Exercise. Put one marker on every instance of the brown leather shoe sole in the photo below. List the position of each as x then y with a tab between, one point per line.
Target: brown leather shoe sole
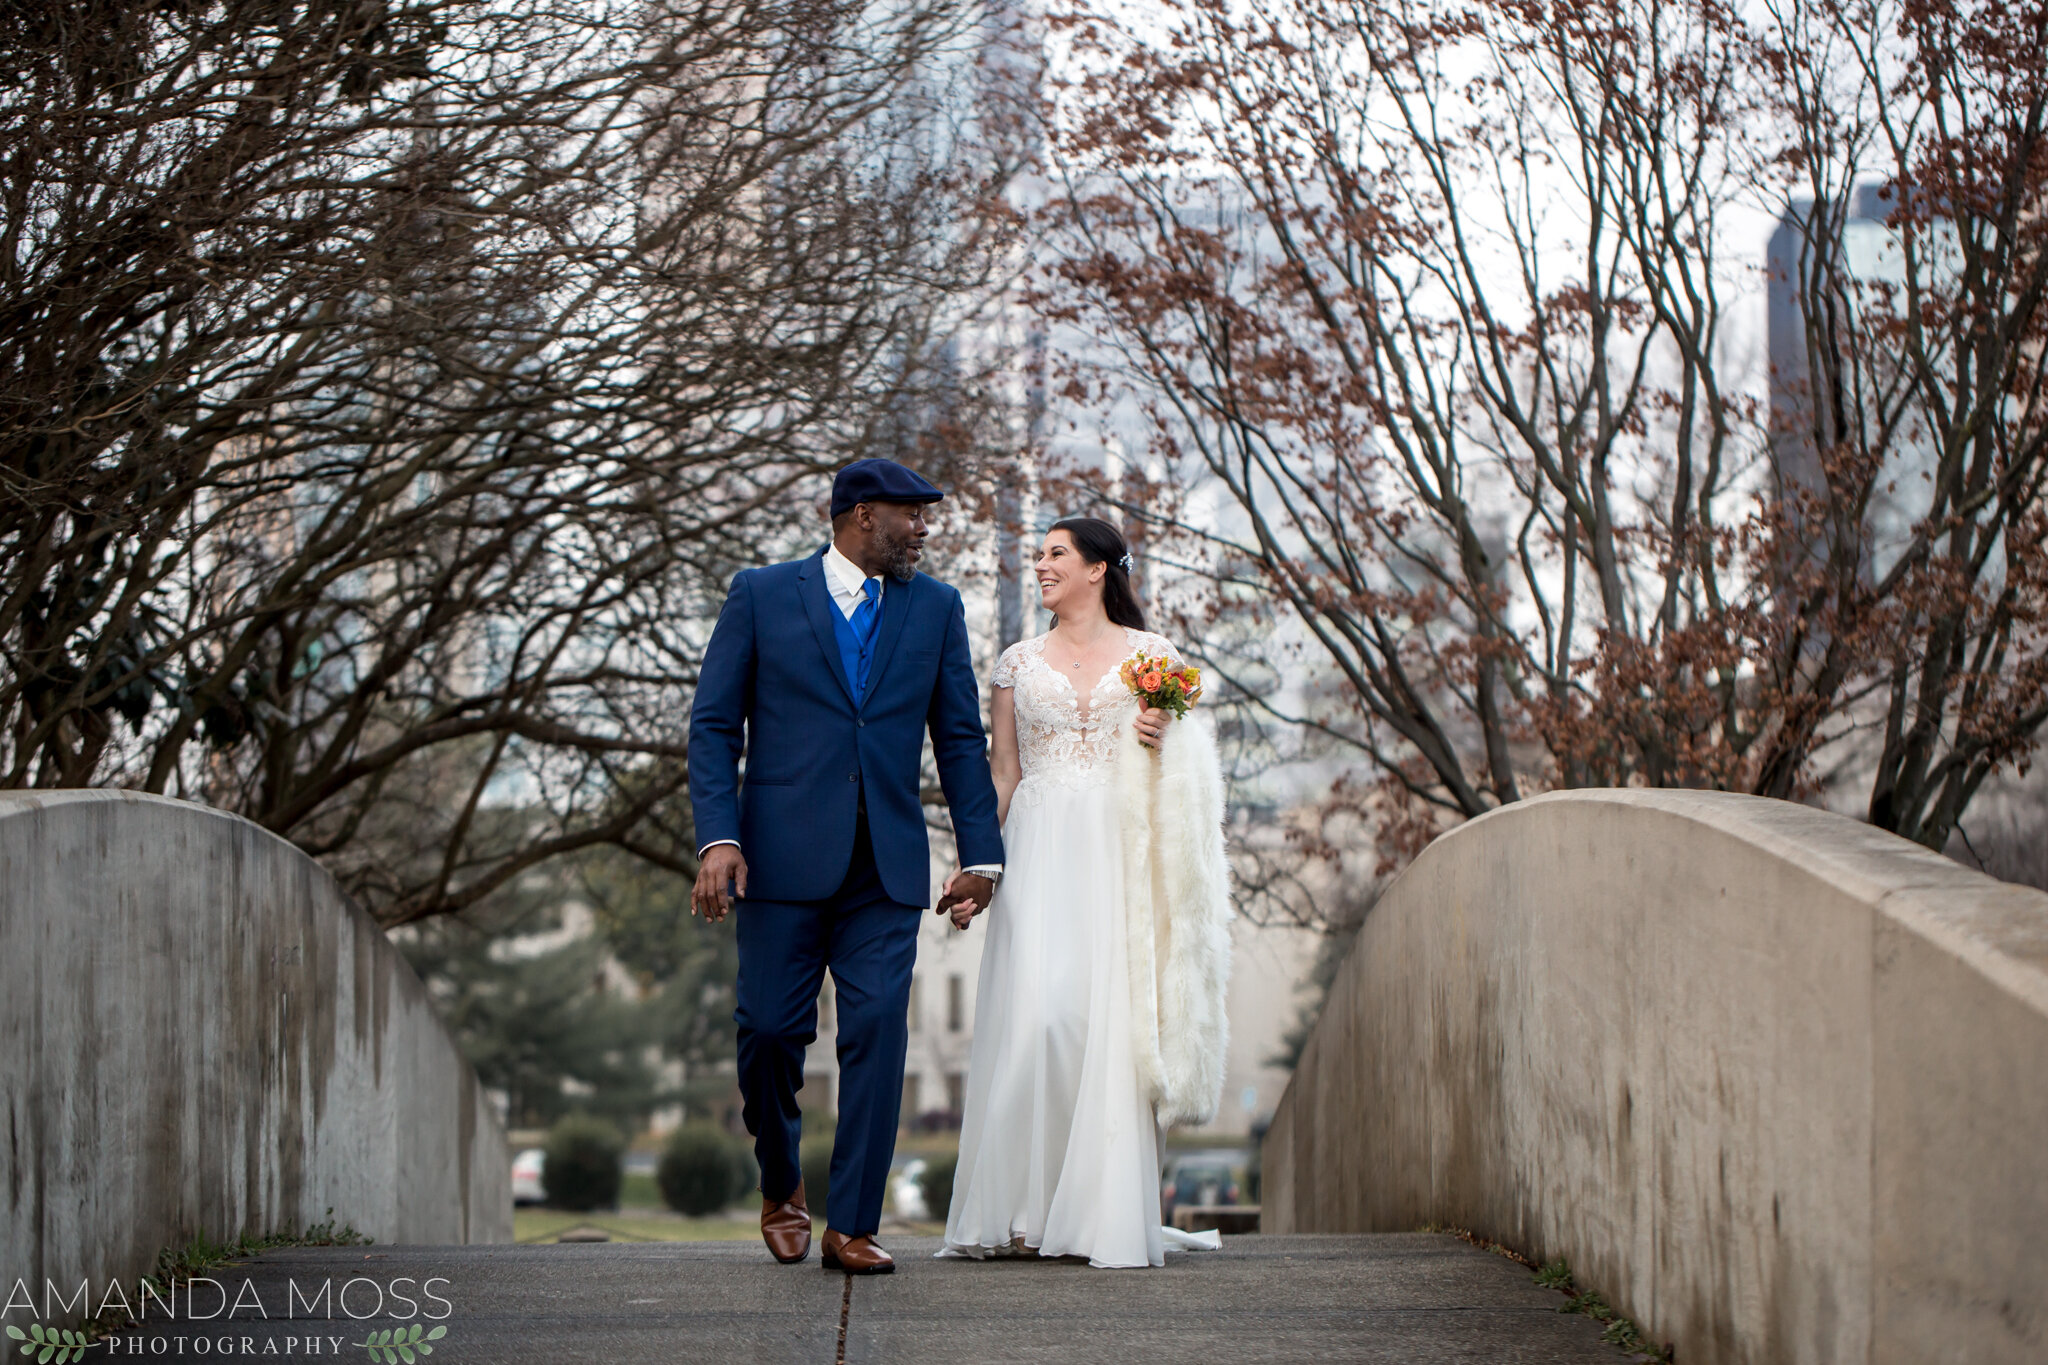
829	1257
800	1254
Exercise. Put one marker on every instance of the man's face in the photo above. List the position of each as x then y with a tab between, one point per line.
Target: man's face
899	532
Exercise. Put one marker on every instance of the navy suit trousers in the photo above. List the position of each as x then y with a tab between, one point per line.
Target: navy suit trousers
870	943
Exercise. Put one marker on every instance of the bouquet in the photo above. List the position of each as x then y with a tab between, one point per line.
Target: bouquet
1156	680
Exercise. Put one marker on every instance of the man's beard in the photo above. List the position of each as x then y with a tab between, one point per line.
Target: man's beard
896	560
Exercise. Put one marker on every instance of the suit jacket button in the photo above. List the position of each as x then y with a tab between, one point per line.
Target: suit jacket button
862	724
853	777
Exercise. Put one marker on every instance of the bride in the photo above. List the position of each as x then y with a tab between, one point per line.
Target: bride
1099	1016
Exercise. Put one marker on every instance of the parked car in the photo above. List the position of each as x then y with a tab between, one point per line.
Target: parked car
1200	1178
526	1187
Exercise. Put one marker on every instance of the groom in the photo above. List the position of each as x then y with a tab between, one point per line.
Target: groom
827	672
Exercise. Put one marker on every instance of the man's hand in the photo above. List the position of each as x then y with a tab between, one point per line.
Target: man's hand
966	894
712	896
1151	725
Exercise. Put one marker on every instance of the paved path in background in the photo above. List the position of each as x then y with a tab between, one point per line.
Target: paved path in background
1414	1299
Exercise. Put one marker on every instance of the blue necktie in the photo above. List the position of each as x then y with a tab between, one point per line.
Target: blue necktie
867	615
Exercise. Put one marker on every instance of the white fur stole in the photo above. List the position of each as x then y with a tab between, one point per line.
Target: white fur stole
1177	907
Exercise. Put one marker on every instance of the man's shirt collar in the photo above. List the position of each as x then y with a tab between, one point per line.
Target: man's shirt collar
845	573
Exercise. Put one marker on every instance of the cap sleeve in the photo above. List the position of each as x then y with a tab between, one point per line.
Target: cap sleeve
1006	667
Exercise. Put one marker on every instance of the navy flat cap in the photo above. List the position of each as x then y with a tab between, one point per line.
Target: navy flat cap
880	481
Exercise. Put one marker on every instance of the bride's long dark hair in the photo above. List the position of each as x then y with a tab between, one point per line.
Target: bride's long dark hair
1101	543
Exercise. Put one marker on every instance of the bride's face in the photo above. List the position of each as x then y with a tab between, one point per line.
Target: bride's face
1065	577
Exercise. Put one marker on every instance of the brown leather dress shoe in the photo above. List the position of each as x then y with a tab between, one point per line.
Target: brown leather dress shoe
786	1226
854	1255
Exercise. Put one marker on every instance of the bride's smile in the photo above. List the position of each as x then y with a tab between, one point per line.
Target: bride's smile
1061	571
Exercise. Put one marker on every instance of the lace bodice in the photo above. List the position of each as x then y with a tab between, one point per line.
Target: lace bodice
1062	736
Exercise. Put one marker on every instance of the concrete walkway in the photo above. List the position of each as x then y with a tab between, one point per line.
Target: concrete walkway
1413	1299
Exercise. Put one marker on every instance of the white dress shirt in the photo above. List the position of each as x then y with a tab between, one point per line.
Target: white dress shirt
848	583
849	589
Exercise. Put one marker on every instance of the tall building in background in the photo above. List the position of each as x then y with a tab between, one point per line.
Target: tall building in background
1011	75
1826	266
1013	340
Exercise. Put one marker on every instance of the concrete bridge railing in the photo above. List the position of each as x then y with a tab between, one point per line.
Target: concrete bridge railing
200	1034
1772	1080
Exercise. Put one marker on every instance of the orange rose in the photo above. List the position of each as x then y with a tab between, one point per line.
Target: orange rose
1151	681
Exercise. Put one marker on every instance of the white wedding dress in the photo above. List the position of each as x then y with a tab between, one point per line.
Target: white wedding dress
1059	1153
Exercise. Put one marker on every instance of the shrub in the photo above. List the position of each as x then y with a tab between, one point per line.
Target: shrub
935	1183
582	1170
701	1172
814	1158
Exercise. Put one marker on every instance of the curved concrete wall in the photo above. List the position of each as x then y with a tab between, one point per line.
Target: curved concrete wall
199	1033
1775	1082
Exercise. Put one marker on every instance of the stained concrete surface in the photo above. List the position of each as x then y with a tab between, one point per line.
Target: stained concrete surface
1773	1080
200	1034
1410	1298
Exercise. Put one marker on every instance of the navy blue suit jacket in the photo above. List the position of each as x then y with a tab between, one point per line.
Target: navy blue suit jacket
773	687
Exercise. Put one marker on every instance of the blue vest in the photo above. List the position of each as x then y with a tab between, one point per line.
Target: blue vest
858	665
773	690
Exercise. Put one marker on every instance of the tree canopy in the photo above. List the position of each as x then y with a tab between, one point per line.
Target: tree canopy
388	392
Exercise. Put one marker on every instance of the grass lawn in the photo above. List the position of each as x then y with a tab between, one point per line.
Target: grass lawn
629	1224
642	1217
646	1225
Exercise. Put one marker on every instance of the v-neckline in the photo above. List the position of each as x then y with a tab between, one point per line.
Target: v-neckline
1087	716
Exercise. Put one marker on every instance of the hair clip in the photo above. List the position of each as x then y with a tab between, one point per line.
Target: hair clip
1125	562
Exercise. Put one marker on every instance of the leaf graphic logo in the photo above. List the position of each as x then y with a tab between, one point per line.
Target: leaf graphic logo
48	1344
398	1344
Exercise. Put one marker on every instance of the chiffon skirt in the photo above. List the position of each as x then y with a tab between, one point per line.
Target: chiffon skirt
1058	1151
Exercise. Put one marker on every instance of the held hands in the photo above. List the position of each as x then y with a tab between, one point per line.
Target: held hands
722	870
712	896
965	895
1151	725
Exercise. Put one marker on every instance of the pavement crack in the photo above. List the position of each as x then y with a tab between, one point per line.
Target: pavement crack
845	1311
